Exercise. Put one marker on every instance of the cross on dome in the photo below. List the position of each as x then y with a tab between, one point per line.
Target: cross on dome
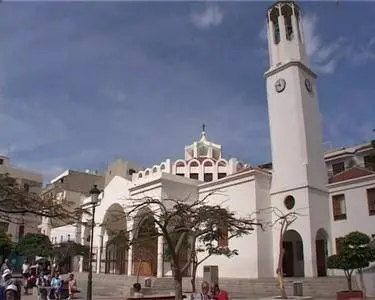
203	148
204	133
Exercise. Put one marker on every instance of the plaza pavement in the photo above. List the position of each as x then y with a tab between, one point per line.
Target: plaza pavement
107	290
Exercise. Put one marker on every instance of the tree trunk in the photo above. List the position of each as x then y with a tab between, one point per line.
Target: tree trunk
348	276
280	271
177	284
280	279
193	277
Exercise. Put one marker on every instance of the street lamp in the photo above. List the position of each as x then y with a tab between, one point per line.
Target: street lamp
94	194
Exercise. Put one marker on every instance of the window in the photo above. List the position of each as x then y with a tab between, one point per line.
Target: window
1	161
61	239
338	168
339	244
369	162
21	231
180	174
194	176
223	237
207	177
68	237
221	175
339	207
194	164
26	187
289	202
371	201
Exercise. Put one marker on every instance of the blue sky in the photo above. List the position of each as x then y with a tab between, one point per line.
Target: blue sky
82	83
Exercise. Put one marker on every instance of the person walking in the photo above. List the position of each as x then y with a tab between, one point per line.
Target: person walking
25	276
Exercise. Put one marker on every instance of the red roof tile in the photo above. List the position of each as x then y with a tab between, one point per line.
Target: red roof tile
352	173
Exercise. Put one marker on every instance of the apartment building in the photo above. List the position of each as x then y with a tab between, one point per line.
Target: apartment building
29	181
352	190
69	188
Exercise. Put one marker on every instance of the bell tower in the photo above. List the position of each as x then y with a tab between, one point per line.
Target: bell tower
299	174
285	34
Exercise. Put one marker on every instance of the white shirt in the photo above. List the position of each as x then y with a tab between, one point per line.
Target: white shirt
25	268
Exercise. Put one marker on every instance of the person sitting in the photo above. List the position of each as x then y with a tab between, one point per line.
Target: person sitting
72	286
217	293
204	295
5	266
137	290
8	280
56	285
11	292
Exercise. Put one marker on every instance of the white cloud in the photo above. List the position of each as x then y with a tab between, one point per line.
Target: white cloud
263	32
323	55
211	16
362	53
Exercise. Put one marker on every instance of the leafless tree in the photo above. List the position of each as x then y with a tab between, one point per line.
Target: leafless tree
182	222
15	202
284	220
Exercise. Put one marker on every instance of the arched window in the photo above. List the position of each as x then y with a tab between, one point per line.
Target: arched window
208	163
194	164
222	163
180	164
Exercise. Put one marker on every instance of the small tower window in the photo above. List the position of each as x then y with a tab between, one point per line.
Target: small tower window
287	12
274	18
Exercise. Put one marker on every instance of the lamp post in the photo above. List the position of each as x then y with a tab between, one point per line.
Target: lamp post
94	193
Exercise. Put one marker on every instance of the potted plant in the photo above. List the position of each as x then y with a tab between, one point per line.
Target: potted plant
354	253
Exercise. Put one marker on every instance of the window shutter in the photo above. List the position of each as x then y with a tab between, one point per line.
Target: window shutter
371	201
336	206
223	238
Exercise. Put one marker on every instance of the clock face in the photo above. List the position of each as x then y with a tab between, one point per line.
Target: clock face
308	85
280	85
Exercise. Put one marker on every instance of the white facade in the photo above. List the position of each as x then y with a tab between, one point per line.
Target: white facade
297	181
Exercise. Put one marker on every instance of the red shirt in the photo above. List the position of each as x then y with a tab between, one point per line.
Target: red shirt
222	295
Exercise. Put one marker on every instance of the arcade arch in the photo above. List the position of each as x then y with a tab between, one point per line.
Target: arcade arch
115	231
293	260
145	248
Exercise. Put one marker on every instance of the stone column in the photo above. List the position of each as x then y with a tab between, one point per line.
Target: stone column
130	255
160	256
309	254
99	254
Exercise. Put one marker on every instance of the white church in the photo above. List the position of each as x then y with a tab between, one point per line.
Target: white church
334	191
